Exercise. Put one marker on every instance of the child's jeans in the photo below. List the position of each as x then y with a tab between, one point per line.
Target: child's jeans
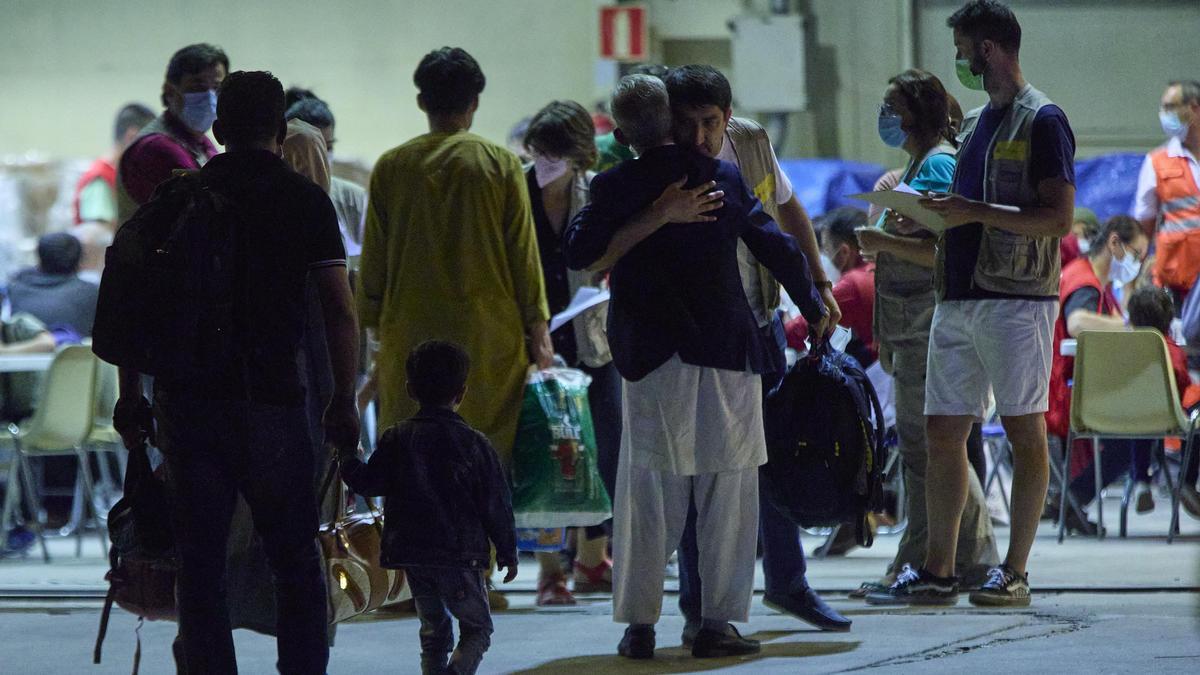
441	593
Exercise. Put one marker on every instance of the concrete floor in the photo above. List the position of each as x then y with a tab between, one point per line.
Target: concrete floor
1100	606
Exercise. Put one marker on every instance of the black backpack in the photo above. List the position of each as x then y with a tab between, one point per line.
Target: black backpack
824	429
167	296
142	557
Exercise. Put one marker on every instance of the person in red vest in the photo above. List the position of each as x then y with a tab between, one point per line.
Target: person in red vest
854	284
95	199
1086	302
1168	191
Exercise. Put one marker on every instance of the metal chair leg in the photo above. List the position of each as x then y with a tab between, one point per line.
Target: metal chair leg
1099	489
89	493
36	522
1188	448
1065	488
1125	497
12	496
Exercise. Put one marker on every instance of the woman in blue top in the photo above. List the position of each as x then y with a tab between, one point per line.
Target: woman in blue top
915	117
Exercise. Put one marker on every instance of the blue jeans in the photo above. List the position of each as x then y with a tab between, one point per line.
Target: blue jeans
443	593
214	451
784	564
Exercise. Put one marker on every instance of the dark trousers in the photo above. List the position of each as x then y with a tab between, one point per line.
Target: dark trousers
1118	456
442	594
784	565
604	401
216	450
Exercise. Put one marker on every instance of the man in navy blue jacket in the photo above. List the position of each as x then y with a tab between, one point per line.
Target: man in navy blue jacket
687	344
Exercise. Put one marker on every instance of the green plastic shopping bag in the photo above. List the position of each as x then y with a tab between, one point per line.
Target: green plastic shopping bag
556	480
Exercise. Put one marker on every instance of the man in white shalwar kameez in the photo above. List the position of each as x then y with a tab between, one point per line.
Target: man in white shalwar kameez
688	347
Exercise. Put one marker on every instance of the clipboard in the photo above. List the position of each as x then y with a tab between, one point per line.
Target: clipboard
905	201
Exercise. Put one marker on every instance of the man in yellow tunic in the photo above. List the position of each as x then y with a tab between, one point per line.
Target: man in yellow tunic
450	252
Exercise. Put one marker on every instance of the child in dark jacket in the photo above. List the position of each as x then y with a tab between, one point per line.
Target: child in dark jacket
446	498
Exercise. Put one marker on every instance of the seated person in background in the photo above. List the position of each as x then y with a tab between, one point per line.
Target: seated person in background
1149	307
447	498
23	334
853	287
1115	254
95	240
51	291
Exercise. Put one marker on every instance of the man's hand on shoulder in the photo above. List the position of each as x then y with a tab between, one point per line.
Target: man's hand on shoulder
677	204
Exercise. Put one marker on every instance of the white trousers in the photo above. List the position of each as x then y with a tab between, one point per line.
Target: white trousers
648	519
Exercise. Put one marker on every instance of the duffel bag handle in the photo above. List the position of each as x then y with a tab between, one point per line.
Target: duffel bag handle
343	492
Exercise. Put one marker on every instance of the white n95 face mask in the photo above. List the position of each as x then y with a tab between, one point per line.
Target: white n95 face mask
547	169
1124	270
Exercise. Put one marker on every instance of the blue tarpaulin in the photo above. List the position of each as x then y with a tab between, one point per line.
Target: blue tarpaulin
822	184
1105	184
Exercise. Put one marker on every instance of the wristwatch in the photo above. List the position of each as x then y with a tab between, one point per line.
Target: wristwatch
824	284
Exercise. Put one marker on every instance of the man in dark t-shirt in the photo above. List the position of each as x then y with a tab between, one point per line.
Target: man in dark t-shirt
998	268
243	429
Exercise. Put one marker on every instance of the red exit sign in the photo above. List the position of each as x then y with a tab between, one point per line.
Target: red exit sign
624	33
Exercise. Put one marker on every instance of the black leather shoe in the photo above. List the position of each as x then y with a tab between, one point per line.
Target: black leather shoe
710	643
638	642
809	608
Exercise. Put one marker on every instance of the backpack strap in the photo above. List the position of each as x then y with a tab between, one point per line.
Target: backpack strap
100	635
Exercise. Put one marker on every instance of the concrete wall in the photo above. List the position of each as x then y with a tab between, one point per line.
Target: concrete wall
1105	62
66	65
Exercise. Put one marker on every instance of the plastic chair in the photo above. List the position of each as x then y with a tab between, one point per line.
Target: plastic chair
999	450
61	425
1124	387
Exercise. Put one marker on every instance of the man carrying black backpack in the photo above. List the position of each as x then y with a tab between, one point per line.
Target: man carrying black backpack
230	417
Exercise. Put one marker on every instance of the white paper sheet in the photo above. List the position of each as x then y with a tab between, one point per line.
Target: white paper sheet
905	201
585	298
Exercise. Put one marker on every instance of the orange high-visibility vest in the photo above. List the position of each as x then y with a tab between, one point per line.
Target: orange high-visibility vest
1177	244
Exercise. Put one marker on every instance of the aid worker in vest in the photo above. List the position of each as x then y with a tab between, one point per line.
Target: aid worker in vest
175	139
95	198
1168	191
701	108
996	275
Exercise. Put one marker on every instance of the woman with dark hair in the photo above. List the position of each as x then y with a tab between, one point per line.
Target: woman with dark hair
1086	302
916	117
561	140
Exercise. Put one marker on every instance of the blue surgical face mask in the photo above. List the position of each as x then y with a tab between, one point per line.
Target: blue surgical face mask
199	110
890	131
1172	126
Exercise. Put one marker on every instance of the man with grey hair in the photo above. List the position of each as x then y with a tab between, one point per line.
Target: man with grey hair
689	350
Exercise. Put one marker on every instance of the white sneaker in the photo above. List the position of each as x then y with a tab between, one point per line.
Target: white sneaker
1145	498
672	569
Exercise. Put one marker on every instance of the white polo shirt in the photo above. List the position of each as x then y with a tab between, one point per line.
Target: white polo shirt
1146	200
